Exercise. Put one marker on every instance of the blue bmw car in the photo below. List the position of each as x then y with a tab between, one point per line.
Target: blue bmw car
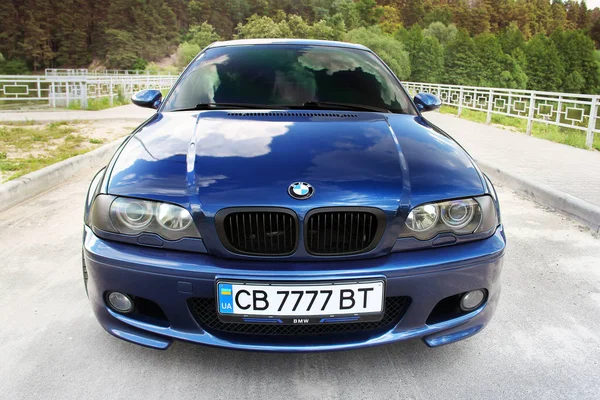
288	195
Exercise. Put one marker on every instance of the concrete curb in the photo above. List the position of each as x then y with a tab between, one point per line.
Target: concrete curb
18	190
581	210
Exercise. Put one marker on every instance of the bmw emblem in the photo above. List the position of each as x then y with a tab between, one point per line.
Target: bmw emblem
301	190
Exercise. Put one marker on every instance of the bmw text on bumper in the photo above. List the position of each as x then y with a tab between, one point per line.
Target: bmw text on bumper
288	195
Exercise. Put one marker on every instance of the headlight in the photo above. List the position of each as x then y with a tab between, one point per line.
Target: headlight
173	217
134	216
461	217
459	213
423	218
131	214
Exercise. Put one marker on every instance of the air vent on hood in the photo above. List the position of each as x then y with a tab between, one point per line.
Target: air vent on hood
292	114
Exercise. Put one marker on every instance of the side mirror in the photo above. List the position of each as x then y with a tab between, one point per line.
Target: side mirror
149	98
427	102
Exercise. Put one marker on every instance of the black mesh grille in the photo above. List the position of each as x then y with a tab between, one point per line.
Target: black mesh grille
342	232
259	232
205	313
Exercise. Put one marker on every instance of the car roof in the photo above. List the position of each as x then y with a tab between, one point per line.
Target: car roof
299	42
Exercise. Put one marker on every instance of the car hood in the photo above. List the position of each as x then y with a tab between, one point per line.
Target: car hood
211	160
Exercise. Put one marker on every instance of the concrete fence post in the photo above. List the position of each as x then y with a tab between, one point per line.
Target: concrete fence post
110	92
460	101
52	95
39	88
83	93
589	137
488	119
558	108
68	89
531	113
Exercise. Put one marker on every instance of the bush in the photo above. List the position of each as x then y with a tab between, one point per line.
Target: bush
203	35
290	26
186	53
13	67
139	64
263	27
155	69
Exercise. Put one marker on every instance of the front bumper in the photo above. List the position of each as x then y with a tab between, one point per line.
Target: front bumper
170	278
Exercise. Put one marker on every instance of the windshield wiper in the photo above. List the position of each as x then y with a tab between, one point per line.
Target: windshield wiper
330	105
224	106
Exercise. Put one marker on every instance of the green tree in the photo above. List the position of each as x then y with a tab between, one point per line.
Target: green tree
583	19
186	53
595	32
389	49
326	31
202	35
427	61
461	67
474	19
576	52
122	53
14	67
369	12
391	20
70	38
225	15
348	11
545	70
444	34
559	16
442	13
426	54
10	30
500	70
412	12
262	27
511	38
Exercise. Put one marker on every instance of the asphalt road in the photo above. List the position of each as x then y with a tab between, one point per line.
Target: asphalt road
543	343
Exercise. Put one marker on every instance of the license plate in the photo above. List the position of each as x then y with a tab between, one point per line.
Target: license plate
296	303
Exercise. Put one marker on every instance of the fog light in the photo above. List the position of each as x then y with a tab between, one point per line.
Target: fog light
120	302
472	300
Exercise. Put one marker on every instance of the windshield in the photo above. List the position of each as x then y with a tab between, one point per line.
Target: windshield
288	76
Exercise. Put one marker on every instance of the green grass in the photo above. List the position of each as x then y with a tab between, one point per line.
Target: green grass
96	141
101	104
52	142
558	134
18	123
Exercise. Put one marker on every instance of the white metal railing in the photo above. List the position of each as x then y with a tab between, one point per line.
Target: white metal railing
82	71
77	86
63	87
575	111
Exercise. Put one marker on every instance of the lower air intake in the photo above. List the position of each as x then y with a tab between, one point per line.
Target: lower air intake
204	311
